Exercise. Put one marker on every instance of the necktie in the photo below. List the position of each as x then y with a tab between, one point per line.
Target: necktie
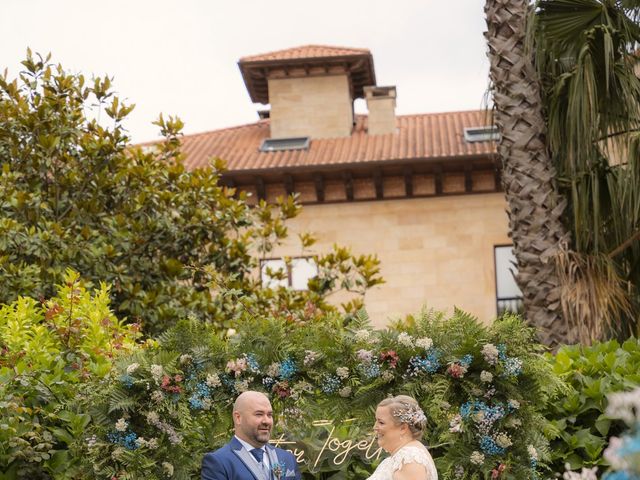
258	455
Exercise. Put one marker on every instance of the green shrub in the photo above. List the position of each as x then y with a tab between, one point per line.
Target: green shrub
579	426
162	408
74	193
50	353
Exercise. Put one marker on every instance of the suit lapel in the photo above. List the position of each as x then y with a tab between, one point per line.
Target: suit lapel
247	459
273	458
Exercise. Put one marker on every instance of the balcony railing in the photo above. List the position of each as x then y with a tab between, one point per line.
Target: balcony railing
510	304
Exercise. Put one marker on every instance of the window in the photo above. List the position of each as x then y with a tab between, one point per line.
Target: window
280	144
481	134
509	296
296	274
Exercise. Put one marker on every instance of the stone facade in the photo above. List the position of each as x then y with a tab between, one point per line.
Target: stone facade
436	252
317	107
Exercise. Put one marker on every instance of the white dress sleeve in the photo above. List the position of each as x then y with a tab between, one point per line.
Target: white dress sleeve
421	456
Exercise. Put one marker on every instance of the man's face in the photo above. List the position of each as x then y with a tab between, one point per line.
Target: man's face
254	421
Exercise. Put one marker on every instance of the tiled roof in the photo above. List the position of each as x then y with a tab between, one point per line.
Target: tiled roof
418	137
305	51
357	63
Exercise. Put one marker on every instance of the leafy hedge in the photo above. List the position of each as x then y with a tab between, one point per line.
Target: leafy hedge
482	388
580	427
51	352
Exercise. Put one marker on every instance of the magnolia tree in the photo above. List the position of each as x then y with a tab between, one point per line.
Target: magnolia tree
171	243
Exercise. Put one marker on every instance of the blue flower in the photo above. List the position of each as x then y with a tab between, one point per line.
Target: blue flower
428	364
127	440
371	370
200	392
512	367
330	384
127	380
268	382
466	360
489	446
287	369
502	351
196	403
252	363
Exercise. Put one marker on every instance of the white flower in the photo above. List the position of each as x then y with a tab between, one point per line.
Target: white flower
342	372
586	474
213	380
157	396
242	386
625	405
362	335
425	343
490	353
207	403
345	392
117	453
186	358
513	422
121	425
273	370
455	425
231	332
168	469
365	356
92	441
405	339
533	453
387	375
132	368
310	357
486	376
515	404
503	440
156	372
153	418
476	458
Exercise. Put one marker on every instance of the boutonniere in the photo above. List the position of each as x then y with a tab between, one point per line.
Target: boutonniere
278	470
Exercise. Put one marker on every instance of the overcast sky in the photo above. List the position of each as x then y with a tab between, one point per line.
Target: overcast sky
180	57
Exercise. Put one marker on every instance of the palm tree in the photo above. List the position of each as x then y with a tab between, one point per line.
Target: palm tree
569	124
535	206
591	96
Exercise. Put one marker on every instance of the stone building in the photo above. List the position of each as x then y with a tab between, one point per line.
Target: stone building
421	191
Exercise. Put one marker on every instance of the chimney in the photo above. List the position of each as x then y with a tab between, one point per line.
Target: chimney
381	103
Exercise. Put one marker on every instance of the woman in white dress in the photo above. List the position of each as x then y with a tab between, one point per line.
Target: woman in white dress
399	425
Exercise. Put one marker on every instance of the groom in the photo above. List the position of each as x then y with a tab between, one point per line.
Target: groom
248	456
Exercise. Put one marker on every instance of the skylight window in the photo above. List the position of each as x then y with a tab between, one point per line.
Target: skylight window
481	134
281	144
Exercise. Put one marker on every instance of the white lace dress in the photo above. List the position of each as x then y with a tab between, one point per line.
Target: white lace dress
406	455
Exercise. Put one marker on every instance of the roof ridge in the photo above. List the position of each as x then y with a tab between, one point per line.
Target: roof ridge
302	47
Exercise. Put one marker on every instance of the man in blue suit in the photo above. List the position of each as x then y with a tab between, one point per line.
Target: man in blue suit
248	456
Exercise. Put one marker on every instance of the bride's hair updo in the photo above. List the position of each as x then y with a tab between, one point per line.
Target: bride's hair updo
405	409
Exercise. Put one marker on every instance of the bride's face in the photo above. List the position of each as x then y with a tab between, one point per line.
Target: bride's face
390	435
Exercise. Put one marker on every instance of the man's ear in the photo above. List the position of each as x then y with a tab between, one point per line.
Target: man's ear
236	417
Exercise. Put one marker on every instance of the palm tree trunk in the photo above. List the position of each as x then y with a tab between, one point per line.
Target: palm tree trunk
528	177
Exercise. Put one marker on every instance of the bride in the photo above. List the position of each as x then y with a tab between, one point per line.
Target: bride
399	425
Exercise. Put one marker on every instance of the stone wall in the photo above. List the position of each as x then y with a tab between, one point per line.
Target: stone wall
434	251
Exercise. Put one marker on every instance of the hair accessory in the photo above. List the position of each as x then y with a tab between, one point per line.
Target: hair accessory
410	414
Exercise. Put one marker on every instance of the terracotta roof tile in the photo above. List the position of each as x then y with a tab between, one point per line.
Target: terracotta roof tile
418	137
305	51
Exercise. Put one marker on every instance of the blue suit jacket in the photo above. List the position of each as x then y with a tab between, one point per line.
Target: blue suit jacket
234	462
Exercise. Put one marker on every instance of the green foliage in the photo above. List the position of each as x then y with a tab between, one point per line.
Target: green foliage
75	194
50	353
172	403
580	429
586	56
